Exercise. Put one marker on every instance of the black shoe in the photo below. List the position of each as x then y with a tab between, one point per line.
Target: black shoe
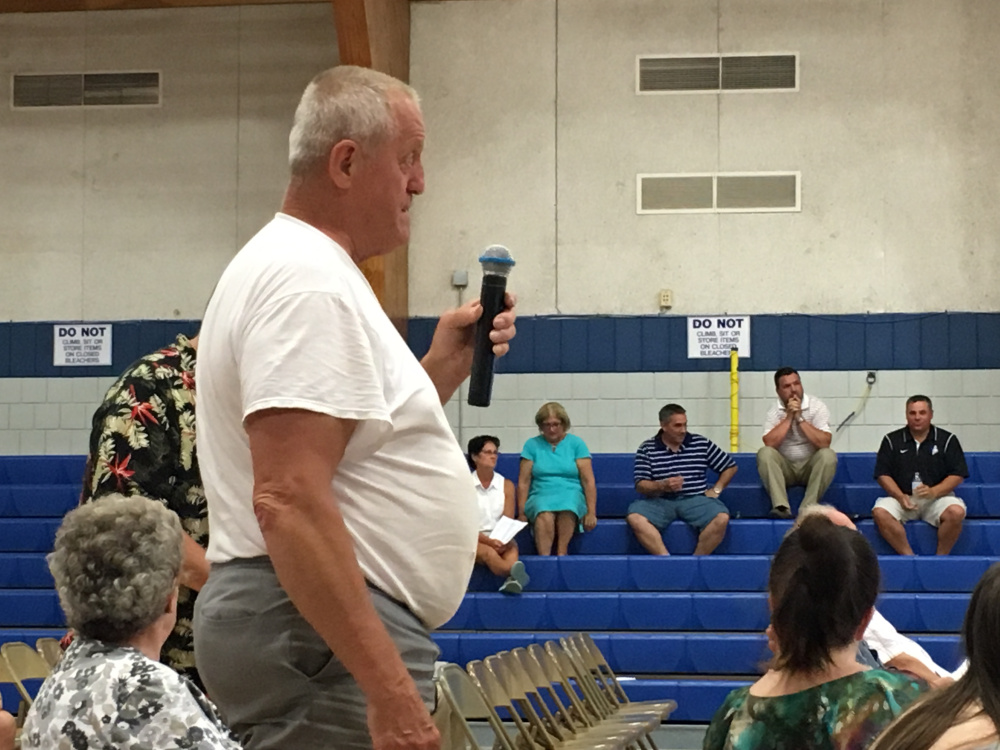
780	512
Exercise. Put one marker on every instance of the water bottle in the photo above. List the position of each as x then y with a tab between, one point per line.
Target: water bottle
917	481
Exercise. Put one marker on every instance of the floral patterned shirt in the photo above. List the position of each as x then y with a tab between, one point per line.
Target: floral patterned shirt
101	696
142	442
843	714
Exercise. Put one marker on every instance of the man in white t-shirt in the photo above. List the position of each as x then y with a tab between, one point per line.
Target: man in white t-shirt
796	445
344	523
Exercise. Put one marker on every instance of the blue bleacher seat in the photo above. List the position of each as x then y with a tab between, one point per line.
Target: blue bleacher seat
697	700
24	570
27	535
672	622
38	500
674	573
30	608
42	469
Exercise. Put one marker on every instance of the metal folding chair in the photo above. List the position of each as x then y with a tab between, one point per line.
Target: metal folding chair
467	701
50	650
24	663
594	660
617	732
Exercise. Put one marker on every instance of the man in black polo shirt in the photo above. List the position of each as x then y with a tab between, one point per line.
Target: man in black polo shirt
920	466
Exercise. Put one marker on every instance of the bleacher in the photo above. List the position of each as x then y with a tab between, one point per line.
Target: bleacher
685	628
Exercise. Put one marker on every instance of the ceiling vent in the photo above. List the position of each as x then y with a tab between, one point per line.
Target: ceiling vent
716	73
86	90
749	192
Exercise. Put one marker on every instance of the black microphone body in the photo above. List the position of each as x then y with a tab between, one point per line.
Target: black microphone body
497	263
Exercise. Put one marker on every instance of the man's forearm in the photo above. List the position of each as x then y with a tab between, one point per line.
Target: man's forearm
888	484
446	375
777	434
194	566
725	478
947	485
906	663
819	438
649	487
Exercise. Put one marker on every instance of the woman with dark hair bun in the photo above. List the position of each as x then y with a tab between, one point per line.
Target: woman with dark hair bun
966	714
822	589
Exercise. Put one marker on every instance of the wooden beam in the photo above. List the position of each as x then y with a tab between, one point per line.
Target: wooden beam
55	6
376	34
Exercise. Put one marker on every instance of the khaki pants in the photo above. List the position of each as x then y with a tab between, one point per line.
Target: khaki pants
778	473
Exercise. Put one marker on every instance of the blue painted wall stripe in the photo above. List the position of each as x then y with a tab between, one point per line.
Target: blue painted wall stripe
648	343
627	343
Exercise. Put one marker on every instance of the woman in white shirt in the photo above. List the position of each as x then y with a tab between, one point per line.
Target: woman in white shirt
495	495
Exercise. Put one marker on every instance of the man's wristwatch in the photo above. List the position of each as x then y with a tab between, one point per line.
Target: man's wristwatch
717	491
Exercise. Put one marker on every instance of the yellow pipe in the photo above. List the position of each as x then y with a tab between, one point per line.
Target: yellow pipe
734	400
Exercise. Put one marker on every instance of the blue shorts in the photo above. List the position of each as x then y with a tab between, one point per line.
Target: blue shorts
697	510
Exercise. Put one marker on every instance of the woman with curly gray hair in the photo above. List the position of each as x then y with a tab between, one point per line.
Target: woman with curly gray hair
116	562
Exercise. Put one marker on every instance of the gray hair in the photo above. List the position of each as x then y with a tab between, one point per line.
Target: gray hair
816	509
345	102
115	564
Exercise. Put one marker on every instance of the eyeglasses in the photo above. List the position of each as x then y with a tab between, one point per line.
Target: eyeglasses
552	425
487	452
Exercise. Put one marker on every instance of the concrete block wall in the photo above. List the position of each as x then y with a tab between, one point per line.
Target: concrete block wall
614	412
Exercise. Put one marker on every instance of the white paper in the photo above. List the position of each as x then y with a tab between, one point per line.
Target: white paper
506	529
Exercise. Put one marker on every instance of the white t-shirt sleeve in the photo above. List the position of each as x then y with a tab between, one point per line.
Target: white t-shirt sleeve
310	350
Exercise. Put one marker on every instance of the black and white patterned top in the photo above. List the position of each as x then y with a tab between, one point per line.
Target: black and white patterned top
108	697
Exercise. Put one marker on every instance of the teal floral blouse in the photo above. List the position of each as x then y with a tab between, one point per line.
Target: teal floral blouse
843	714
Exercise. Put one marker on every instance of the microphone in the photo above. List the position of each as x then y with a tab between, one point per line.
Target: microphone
496	262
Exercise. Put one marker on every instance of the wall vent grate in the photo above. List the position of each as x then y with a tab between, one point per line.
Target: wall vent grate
678	74
86	90
731	192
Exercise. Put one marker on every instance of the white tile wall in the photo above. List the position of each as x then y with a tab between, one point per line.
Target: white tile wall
613	412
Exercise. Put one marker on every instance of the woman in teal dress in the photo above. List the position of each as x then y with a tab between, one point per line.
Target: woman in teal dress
556	490
822	589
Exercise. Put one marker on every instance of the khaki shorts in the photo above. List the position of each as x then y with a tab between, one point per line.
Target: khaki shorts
926	510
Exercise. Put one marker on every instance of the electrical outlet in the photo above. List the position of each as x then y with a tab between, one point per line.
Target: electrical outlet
666	298
460	279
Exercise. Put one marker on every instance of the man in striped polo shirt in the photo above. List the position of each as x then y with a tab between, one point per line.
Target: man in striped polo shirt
670	473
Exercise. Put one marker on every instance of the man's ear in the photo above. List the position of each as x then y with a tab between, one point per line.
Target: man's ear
343	162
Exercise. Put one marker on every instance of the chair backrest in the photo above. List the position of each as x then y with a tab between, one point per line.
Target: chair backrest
596	656
468	702
534	704
545	656
24	663
496	695
546	688
582	655
50	650
575	676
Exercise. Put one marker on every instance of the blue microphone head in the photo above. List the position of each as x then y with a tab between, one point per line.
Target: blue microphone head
496	261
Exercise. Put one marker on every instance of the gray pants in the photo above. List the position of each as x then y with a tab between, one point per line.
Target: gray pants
777	473
275	681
